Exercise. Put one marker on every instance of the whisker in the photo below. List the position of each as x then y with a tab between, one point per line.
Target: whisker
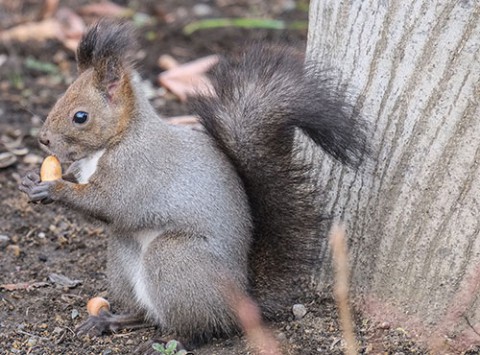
33	113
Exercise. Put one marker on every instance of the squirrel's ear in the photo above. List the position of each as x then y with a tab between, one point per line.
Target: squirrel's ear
107	47
109	76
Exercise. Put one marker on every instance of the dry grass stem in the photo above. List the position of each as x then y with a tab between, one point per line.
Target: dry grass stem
342	275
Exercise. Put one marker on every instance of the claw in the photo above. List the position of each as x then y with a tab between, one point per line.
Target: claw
34	177
46	201
95	326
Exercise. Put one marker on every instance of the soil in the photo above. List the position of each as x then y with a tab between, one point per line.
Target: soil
37	241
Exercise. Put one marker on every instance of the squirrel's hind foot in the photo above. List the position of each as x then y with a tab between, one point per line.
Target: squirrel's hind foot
107	322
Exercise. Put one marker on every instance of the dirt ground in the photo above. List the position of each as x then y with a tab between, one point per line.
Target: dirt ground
38	241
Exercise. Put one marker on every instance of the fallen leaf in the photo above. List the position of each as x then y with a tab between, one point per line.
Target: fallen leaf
62	280
189	78
32	31
167	62
72	26
66	26
49	8
105	9
14	249
24	286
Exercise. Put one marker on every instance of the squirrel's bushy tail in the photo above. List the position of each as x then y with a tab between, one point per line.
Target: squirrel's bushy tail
259	100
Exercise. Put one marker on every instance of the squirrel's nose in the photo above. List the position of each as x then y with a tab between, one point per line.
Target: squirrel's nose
43	139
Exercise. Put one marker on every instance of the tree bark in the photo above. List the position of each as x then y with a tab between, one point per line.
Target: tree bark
412	211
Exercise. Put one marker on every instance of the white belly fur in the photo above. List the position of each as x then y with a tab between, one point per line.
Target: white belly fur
88	166
137	276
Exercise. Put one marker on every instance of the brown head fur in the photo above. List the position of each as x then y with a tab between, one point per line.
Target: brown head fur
103	90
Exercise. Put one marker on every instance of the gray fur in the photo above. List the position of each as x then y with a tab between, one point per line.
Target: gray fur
193	214
174	181
259	100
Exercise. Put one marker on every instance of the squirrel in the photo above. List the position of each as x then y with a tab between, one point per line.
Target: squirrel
195	216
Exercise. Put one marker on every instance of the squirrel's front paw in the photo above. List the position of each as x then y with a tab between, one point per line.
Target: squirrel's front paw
37	190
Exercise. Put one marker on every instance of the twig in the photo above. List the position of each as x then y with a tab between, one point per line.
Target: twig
470	325
71	330
61	338
340	260
31	335
251	23
126	334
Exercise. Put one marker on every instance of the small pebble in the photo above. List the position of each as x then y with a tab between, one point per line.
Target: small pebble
281	336
32	342
74	313
384	325
14	249
41	235
299	311
289	5
202	10
4	240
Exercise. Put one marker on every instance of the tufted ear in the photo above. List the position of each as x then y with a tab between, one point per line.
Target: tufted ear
107	47
109	77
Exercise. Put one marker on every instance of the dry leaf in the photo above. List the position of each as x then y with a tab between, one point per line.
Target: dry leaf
66	26
167	62
32	31
62	280
49	8
195	67
105	9
24	286
72	26
189	78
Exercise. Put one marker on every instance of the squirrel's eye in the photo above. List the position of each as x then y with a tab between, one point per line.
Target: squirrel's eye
80	117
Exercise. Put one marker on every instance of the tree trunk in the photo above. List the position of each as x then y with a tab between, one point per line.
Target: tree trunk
412	212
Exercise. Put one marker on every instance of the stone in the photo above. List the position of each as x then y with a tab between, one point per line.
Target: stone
299	311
